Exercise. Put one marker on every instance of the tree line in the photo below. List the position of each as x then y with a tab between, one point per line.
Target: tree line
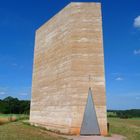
11	105
132	113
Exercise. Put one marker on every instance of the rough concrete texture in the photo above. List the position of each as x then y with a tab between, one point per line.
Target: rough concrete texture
68	59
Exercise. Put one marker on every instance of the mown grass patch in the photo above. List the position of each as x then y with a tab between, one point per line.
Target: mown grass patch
130	128
20	131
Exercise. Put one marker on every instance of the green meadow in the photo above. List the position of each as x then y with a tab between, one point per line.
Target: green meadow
130	128
13	128
20	131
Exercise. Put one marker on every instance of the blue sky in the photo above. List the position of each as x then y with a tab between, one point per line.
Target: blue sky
121	26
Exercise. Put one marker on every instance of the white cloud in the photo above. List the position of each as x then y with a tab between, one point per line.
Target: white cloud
3	88
2	93
119	79
24	94
138	98
137	52
137	22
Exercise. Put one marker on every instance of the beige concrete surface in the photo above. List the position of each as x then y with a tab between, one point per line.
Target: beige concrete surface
68	59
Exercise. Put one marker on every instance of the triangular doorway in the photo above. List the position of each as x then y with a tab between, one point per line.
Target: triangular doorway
90	124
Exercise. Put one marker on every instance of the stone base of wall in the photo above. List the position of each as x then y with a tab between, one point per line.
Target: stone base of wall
61	129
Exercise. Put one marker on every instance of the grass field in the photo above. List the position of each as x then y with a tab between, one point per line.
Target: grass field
20	131
130	128
14	115
5	118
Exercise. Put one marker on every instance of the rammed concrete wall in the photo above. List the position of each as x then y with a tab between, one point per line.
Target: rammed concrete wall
68	59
